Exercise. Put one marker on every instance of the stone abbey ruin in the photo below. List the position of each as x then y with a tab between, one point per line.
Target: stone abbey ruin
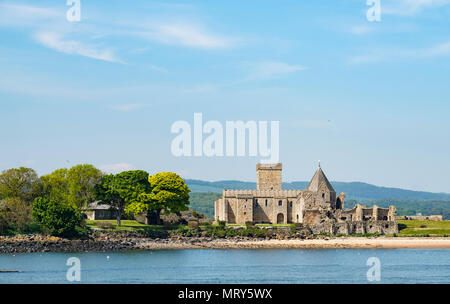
317	207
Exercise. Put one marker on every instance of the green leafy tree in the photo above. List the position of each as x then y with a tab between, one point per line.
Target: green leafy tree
82	180
16	214
169	194
75	185
122	190
61	219
55	186
20	182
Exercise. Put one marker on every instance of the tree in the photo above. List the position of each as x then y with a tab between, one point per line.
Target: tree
75	185
19	182
55	186
16	214
123	189
61	219
169	194
82	180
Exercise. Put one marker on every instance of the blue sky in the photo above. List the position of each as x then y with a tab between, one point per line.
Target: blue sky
371	100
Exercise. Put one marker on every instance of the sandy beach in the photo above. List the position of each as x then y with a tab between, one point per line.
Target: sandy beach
332	243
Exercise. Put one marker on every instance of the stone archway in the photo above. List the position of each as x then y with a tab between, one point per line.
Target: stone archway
280	218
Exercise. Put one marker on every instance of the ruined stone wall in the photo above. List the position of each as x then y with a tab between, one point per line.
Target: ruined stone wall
358	227
421	217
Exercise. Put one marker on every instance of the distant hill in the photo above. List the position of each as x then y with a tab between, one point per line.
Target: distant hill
355	190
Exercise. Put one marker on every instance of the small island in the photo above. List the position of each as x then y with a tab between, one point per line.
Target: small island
81	209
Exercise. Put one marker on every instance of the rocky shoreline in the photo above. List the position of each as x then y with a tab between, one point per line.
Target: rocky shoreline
135	241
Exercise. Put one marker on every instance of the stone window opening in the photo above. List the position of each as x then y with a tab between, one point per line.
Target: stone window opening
280	203
290	204
323	195
266	203
256	203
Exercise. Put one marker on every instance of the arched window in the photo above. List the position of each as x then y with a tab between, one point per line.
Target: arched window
256	202
323	195
290	204
280	203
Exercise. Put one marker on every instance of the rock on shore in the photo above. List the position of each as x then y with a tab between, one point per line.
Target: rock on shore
124	242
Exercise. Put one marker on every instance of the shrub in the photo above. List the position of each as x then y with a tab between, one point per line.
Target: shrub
60	219
193	224
249	224
221	223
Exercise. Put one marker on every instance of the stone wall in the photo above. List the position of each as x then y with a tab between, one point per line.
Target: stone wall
268	176
421	217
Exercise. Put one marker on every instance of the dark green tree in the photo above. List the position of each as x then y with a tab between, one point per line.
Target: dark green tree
123	189
169	194
61	219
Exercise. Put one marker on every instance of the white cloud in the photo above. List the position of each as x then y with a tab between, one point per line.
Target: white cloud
22	15
126	107
361	29
116	168
380	55
186	35
410	7
156	68
270	69
56	42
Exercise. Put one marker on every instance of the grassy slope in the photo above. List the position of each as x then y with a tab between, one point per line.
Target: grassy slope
424	228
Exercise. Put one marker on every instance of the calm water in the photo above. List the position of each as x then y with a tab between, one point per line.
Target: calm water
232	266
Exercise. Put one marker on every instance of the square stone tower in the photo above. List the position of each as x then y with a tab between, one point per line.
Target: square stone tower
268	176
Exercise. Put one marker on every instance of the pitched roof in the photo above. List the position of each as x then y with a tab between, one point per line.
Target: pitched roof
317	181
97	205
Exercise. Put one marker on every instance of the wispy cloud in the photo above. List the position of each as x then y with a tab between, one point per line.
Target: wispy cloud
187	35
270	69
361	29
58	43
22	15
116	168
380	55
410	7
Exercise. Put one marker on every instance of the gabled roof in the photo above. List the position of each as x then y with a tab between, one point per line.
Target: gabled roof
317	181
97	205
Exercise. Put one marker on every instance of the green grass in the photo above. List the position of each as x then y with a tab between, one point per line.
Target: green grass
422	228
264	225
126	225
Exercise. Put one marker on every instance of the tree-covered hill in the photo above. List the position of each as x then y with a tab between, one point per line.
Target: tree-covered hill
354	190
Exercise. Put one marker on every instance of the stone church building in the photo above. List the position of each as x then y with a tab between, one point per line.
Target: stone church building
317	207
